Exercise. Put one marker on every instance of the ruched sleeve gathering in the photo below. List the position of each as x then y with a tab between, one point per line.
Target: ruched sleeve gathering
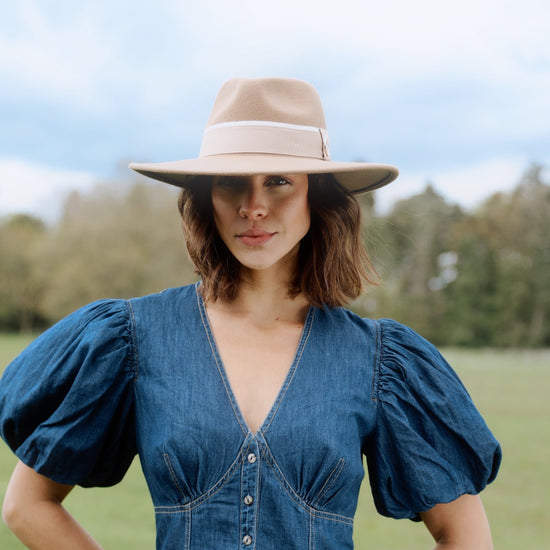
430	444
66	403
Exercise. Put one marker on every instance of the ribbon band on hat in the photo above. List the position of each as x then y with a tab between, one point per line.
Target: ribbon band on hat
264	136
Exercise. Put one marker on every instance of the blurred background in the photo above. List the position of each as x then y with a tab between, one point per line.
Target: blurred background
456	95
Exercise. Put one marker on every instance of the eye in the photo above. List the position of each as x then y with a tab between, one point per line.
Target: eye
277	181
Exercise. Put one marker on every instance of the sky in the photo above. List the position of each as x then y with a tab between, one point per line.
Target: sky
455	94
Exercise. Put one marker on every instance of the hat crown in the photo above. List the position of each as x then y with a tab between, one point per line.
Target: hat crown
283	100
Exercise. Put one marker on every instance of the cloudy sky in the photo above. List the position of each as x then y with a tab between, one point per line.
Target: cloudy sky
457	94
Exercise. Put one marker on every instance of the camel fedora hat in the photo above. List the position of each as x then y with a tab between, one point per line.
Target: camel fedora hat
268	126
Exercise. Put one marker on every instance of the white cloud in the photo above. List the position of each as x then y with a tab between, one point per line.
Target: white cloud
398	37
53	58
466	185
164	49
35	189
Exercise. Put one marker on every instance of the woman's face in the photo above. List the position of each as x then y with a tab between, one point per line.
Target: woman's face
262	219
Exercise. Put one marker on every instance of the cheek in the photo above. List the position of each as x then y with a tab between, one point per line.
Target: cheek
302	216
220	211
216	204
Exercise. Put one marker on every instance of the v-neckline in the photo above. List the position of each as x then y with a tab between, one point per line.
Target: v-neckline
306	329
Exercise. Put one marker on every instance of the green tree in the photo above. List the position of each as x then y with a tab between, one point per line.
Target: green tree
501	296
406	245
115	242
22	286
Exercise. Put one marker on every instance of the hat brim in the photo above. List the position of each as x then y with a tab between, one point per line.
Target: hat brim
356	177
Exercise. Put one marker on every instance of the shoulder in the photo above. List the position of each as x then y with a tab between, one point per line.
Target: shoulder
101	328
395	335
342	320
396	350
105	319
170	315
405	351
176	295
387	334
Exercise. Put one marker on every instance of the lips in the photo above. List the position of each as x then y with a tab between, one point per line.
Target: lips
254	237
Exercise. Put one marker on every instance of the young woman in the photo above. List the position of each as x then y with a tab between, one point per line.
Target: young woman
251	396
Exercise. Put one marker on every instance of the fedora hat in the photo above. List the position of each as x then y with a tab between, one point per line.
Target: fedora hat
268	126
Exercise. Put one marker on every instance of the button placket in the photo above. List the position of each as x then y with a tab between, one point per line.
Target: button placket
250	477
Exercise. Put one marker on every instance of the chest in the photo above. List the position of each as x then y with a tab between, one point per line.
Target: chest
256	361
193	437
193	432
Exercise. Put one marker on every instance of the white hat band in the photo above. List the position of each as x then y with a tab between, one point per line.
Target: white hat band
258	136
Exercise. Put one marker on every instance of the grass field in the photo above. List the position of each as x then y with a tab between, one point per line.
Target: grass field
509	387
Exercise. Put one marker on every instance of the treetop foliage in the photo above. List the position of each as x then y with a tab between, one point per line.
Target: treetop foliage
466	278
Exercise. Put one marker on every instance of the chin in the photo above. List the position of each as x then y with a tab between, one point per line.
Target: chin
250	266
260	260
258	264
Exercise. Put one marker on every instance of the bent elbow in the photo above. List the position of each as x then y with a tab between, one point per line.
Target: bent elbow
17	514
18	517
10	513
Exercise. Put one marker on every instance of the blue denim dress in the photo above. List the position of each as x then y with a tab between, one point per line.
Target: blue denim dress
144	376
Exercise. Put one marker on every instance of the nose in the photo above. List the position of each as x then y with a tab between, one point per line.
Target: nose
253	205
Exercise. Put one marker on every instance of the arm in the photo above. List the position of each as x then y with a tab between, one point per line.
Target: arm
32	510
459	525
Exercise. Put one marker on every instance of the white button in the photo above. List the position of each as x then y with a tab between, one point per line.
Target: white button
247	539
248	500
251	458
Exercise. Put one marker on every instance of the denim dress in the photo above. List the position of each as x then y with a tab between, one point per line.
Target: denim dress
120	377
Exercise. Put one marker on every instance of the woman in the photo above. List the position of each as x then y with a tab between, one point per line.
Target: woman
252	395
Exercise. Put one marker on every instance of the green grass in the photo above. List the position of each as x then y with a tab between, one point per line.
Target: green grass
11	345
509	387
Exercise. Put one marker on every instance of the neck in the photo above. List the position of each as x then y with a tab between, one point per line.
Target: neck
263	298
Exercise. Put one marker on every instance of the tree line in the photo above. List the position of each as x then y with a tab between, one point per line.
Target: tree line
459	277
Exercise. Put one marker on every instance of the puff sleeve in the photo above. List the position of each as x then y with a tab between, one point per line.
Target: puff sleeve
66	403
430	444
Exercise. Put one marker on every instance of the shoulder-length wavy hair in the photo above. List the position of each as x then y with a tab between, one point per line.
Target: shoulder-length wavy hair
333	266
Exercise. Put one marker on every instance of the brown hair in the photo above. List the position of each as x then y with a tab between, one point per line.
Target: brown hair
332	267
